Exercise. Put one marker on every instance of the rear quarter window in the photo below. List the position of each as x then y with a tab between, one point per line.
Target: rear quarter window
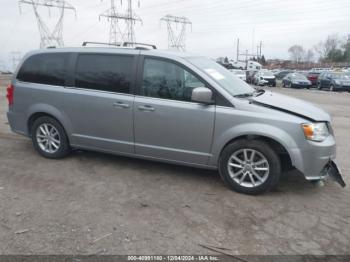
49	69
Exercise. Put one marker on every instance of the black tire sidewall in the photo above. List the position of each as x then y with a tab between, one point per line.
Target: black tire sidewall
263	148
64	148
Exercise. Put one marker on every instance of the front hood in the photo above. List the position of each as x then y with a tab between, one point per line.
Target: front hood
292	106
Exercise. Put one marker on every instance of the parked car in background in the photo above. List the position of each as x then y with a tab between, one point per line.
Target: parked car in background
296	80
280	75
334	81
312	76
320	70
239	73
263	78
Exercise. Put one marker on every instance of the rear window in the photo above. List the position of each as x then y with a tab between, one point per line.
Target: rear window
49	69
112	73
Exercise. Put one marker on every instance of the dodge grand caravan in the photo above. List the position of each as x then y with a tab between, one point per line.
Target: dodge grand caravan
171	107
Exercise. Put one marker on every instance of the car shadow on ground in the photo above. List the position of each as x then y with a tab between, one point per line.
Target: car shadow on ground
290	182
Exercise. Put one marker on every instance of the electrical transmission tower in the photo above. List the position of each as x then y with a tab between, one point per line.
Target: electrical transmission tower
176	38
129	18
49	37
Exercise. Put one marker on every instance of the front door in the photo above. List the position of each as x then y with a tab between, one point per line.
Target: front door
168	125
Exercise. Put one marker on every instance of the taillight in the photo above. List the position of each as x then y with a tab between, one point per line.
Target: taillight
9	95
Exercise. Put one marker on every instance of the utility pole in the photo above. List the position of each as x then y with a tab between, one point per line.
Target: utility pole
253	36
15	57
49	37
260	48
130	18
237	49
176	40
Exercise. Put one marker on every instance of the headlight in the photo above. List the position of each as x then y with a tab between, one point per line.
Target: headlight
337	82
316	131
295	82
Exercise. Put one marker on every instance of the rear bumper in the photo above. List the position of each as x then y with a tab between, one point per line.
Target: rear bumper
17	123
300	86
313	81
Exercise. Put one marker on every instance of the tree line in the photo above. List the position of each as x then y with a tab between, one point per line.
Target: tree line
333	49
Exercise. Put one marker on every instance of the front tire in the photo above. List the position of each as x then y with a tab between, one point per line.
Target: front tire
250	167
49	138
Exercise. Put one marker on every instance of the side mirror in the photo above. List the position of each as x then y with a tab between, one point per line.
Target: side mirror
202	95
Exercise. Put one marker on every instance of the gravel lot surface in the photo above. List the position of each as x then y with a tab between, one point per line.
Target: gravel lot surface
93	203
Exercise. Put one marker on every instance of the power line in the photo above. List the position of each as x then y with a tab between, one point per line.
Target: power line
49	37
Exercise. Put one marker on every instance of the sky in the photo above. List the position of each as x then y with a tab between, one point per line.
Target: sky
216	25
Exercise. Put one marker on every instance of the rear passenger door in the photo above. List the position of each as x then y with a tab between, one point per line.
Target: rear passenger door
100	102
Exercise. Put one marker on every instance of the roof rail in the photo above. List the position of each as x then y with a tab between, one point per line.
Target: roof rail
123	44
100	43
135	43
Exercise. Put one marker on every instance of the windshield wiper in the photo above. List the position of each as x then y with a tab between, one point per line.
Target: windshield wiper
244	95
259	92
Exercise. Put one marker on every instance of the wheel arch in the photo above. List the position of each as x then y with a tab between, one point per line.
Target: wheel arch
279	140
280	149
47	110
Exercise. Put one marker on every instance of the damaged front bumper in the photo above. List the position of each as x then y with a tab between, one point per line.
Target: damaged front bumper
331	170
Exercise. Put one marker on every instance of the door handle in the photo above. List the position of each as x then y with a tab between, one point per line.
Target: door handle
121	104
146	108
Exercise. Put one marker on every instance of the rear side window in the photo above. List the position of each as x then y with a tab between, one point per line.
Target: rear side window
49	69
112	73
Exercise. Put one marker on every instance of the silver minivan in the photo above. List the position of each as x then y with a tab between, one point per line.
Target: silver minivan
168	106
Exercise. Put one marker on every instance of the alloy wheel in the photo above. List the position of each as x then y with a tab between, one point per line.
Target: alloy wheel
248	167
48	138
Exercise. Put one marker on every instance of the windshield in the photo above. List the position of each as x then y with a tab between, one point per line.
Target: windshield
222	76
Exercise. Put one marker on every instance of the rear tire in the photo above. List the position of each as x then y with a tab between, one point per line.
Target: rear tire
232	167
49	138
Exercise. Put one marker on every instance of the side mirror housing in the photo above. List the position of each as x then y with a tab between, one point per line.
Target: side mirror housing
202	95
